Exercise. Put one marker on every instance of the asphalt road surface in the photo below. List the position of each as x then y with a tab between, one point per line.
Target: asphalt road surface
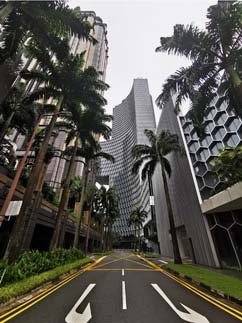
122	288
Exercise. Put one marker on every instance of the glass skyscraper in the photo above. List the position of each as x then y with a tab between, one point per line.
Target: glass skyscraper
131	118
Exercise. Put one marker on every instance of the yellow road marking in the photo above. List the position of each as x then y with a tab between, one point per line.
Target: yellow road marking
120	269
202	294
226	308
46	293
111	262
136	262
150	263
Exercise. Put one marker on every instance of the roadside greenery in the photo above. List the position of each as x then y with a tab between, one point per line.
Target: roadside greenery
26	285
36	262
213	278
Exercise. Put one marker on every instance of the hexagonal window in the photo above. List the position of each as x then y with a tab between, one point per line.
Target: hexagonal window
209	125
206	193
200	168
233	124
210	179
231	140
211	111
200	182
219	133
221	118
194	135
188	127
206	141
238	216
203	154
211	220
193	147
187	137
221	107
225	219
193	158
216	147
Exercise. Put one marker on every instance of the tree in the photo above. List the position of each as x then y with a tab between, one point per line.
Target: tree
216	68
136	218
86	124
228	165
46	23
83	87
147	157
90	153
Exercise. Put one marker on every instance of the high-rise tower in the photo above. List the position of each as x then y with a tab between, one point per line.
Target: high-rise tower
131	118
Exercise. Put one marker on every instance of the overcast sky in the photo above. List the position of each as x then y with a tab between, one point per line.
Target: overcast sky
134	29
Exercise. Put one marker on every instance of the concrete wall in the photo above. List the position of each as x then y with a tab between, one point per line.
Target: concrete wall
192	234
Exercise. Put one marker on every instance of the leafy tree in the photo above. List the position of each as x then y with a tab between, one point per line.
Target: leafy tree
215	55
228	165
45	23
90	153
83	87
86	124
148	157
136	218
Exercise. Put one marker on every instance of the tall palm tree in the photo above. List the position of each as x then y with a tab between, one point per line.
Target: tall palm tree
90	153
88	123
136	218
47	23
148	157
215	55
83	87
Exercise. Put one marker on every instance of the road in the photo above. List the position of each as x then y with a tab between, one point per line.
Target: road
122	288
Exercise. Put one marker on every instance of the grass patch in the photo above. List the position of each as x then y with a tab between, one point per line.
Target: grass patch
229	285
26	285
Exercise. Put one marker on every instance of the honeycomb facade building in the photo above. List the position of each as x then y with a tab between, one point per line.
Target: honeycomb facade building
131	118
223	128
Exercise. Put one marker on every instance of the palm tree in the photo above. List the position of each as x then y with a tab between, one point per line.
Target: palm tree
90	153
88	123
136	218
83	87
46	23
215	55
147	157
228	165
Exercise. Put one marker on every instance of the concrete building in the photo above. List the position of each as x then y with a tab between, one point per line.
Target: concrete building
131	118
194	238
223	210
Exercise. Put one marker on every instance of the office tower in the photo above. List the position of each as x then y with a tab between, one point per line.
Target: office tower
131	118
96	56
222	208
194	238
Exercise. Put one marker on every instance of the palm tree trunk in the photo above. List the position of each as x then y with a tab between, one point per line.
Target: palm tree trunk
64	201
5	11
79	216
88	232
22	220
177	256
6	126
17	175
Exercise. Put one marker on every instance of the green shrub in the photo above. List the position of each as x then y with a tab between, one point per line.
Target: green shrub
30	283
36	262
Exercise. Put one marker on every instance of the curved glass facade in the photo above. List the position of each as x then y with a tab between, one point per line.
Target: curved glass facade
131	118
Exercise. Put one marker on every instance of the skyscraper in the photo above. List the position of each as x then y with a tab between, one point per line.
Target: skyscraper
131	118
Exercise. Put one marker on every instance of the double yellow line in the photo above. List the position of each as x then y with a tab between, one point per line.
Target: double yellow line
23	307
228	309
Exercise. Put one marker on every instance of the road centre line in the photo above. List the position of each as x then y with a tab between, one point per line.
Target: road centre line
226	308
124	296
164	262
122	272
23	307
